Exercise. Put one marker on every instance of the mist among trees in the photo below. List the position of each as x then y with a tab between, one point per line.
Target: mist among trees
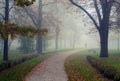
39	28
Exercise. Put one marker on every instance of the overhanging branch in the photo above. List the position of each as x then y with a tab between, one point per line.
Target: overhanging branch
33	17
94	21
118	5
117	2
97	11
2	16
49	3
11	8
2	2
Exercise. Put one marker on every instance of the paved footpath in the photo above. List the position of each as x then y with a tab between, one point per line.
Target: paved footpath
52	69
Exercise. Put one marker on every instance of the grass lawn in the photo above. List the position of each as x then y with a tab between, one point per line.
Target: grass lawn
112	60
14	55
78	69
18	72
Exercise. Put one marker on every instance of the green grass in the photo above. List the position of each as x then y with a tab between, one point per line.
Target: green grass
112	60
14	55
78	70
18	72
109	67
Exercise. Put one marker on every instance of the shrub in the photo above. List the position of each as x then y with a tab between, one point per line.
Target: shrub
107	70
9	64
117	76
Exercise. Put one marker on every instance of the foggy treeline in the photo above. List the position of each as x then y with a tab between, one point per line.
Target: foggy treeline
53	15
68	27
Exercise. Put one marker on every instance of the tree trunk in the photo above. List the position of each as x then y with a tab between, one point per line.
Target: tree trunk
39	37
56	40
39	44
104	39
74	40
103	46
44	44
5	56
118	41
56	43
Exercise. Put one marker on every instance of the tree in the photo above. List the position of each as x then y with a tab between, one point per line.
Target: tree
102	21
37	17
40	16
6	21
115	27
27	45
118	28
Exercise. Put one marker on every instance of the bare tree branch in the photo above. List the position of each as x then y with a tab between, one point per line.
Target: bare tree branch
97	11
117	2
2	7
2	2
118	8
94	21
30	10
49	3
33	17
118	5
2	16
11	8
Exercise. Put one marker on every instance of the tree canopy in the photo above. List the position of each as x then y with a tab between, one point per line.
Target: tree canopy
23	3
14	29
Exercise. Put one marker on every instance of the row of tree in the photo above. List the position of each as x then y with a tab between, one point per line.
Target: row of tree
101	14
6	22
20	13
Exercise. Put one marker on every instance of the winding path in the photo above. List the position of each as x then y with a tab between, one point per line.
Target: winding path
52	69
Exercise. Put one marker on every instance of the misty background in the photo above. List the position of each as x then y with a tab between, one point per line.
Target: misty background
68	27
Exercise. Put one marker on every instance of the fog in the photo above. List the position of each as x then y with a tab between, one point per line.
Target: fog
67	25
48	40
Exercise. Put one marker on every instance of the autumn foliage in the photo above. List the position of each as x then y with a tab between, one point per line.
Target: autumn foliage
14	29
23	3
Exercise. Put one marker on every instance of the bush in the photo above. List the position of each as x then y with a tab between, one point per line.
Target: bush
107	70
117	76
8	64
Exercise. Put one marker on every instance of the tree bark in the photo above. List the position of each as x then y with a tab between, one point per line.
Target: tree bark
118	40
104	45
56	40
39	37
5	56
44	44
39	44
103	32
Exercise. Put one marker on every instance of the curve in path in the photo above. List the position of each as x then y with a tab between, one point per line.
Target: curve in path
52	69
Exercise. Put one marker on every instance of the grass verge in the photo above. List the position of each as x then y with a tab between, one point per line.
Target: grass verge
109	67
106	69
18	72
14	55
78	69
